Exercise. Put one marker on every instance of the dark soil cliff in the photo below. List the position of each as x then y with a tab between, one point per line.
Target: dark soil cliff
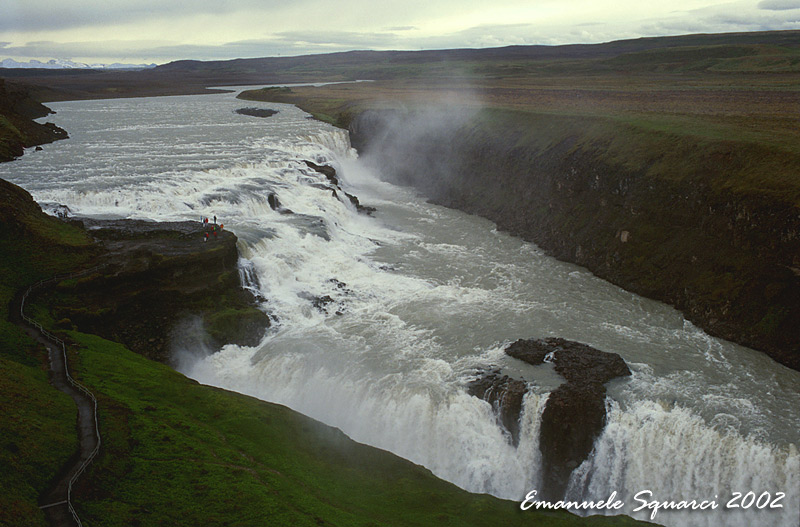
17	128
668	223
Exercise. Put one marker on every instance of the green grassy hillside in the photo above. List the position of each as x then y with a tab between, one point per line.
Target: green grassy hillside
17	128
179	453
37	424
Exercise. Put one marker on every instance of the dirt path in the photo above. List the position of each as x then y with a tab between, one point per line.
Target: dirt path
56	502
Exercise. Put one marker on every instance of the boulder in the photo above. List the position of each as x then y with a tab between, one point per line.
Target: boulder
574	361
575	412
326	170
256	112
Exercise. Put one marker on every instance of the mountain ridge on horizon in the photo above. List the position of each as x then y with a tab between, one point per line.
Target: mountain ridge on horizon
784	39
67	64
788	38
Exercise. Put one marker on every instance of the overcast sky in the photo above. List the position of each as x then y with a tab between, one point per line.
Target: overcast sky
137	31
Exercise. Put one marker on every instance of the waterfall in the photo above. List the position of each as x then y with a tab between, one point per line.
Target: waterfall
379	323
676	455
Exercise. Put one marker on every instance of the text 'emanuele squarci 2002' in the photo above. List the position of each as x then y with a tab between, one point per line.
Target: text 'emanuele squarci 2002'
643	499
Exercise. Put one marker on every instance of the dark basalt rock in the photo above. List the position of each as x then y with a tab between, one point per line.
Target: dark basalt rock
275	204
575	413
330	173
574	361
321	302
505	395
359	207
273	201
156	275
256	112
326	170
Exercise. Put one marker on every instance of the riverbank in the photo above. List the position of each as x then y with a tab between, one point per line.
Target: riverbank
699	210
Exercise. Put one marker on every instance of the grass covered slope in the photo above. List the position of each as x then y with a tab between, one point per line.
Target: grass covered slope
180	453
37	424
17	128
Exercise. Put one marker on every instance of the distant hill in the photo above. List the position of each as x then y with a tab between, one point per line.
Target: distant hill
770	52
390	64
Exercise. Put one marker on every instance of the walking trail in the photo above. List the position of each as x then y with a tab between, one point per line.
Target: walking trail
56	502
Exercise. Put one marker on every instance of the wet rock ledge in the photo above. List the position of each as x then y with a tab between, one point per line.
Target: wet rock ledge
575	412
162	283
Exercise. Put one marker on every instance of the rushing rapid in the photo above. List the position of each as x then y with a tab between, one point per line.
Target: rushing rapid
381	321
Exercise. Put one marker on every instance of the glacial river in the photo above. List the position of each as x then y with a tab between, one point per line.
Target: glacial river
422	297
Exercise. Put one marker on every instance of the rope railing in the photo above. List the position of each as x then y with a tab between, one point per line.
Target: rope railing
72	381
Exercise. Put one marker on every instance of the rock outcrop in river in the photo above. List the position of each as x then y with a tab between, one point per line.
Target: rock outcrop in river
330	173
575	412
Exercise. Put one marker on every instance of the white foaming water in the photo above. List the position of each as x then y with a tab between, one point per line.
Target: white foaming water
381	322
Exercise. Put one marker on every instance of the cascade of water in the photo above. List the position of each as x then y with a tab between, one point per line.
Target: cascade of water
675	454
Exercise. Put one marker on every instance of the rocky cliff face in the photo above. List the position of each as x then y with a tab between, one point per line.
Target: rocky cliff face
162	284
728	259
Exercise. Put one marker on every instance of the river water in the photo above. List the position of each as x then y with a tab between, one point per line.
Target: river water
421	298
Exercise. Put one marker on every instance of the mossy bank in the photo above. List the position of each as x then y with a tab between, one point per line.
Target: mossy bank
18	130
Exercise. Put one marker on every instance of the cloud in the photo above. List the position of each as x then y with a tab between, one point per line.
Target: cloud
723	18
779	5
338	38
159	31
41	15
140	51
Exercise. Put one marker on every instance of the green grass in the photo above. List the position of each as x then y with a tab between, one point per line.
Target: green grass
37	424
37	436
179	453
10	138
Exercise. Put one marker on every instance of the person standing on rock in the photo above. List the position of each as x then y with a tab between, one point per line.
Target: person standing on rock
215	220
205	236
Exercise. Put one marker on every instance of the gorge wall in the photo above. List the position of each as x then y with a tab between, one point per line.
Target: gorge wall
657	215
